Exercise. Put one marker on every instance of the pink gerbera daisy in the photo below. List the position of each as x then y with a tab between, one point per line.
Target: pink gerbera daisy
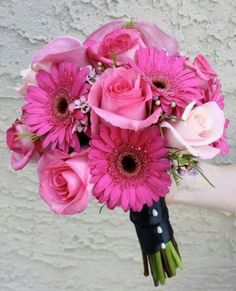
174	86
51	105
129	168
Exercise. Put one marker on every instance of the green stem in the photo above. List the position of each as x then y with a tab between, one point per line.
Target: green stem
202	174
176	257
159	266
153	270
145	265
170	260
163	263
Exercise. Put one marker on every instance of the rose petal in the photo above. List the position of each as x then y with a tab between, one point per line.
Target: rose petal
178	141
123	122
19	161
62	49
207	152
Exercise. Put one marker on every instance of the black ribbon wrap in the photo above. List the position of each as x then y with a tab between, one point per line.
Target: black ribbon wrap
152	226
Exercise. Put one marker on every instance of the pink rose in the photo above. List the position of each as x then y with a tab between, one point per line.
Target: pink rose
202	67
210	85
123	99
118	45
213	93
153	36
122	39
199	128
20	143
121	42
65	48
206	76
64	181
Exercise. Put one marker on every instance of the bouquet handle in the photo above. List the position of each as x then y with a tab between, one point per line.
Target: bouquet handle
156	237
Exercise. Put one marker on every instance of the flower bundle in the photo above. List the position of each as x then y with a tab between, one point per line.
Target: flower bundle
119	117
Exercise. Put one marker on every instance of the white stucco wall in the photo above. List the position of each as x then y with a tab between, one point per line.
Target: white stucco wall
40	251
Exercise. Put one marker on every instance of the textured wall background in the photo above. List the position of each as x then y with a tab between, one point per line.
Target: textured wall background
41	251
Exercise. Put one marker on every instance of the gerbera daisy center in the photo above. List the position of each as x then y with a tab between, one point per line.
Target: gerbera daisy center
61	101
62	105
129	163
160	84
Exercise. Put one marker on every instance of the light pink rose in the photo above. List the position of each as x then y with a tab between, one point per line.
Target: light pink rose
114	37
123	99
22	147
199	128
65	48
64	181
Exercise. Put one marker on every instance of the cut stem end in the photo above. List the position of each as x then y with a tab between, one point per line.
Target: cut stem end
163	263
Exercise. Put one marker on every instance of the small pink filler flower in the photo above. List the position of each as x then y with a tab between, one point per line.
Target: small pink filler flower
129	168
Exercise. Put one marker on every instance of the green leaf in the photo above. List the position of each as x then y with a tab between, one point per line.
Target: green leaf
177	178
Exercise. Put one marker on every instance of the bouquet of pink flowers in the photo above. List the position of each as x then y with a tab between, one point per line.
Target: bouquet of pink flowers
118	117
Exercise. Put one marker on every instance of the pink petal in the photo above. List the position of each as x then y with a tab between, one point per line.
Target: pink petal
79	81
103	30
153	36
116	193
132	196
207	152
45	81
19	161
124	202
123	122
55	74
101	146
179	138
114	197
103	183
62	49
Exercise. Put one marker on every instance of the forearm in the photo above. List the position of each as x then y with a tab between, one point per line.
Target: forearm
195	191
